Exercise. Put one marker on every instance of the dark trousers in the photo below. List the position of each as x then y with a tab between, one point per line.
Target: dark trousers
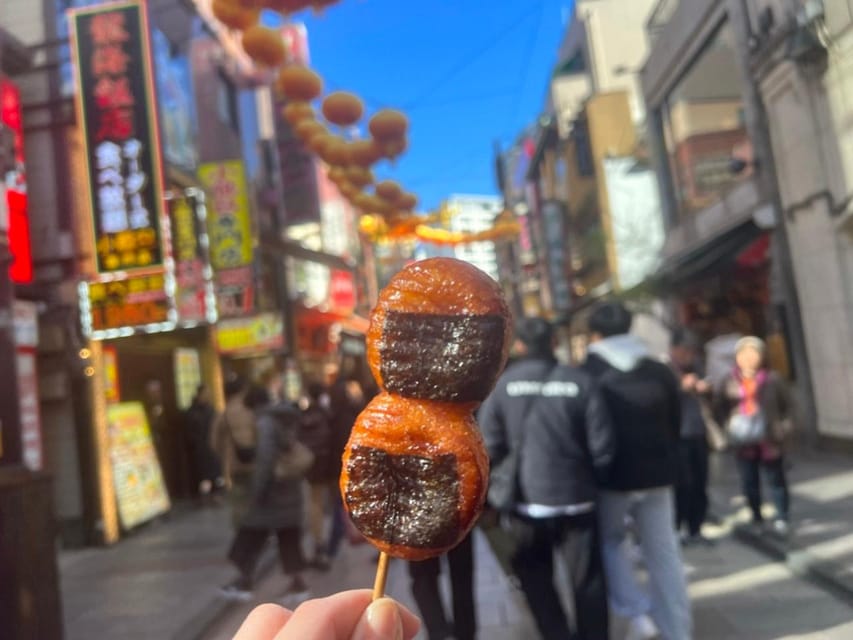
691	489
574	541
248	544
774	471
425	589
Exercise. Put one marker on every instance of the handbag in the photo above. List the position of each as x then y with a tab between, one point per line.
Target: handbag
746	429
294	461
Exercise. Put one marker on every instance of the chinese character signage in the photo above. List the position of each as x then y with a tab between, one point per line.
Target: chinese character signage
115	98
229	228
228	222
135	301
191	266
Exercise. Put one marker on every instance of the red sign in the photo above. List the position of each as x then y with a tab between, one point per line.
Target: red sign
21	269
342	291
115	97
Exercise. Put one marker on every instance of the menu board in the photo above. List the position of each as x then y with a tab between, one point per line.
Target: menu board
140	490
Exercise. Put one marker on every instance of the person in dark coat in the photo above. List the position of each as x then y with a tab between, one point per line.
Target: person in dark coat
206	466
691	487
345	402
275	502
643	400
550	443
315	432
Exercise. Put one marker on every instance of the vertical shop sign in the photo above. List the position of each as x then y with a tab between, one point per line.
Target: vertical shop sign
112	392
26	343
111	50
300	190
229	228
14	178
190	258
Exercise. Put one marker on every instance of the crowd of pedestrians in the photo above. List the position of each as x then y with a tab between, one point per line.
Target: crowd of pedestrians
597	471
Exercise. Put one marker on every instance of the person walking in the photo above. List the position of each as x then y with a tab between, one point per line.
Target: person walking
206	467
315	432
691	487
644	404
275	503
425	589
755	405
549	441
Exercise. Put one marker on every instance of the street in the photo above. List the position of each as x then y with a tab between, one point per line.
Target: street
737	594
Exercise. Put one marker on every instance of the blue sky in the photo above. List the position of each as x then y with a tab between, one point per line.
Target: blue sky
467	72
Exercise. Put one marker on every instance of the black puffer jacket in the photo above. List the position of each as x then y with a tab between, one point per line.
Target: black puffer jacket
642	397
567	444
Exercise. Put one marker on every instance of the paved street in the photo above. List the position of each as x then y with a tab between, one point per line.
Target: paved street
737	593
161	582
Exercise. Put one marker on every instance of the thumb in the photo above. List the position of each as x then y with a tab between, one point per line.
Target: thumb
380	621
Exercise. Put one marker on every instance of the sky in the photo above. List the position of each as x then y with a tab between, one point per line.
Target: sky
466	72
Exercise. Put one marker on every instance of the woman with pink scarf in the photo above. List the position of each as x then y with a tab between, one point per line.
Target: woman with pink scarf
755	405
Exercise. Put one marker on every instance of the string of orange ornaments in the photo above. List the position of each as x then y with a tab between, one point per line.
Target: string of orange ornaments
350	161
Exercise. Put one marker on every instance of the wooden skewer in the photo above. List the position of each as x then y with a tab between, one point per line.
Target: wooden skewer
381	576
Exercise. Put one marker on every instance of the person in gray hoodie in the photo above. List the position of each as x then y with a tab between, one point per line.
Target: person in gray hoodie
644	404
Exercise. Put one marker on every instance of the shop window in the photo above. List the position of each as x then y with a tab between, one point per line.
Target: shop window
226	102
583	149
704	129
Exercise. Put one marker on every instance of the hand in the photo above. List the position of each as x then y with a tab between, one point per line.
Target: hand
688	382
344	616
702	386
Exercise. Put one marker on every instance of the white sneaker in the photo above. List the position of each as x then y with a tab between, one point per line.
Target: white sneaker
642	628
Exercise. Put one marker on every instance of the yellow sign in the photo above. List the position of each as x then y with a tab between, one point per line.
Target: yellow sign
140	491
260	333
228	218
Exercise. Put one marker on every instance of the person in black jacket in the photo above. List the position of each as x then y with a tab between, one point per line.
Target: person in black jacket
549	441
643	400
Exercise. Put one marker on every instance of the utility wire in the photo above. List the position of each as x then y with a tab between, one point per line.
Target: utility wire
524	71
472	56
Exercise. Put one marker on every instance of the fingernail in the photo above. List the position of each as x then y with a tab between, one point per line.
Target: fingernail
383	621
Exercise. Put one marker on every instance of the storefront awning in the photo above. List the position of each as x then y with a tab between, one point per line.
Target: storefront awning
709	258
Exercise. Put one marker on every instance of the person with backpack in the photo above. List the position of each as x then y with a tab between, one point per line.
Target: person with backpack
644	403
315	432
273	502
550	442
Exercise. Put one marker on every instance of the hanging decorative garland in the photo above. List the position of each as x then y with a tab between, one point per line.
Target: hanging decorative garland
388	212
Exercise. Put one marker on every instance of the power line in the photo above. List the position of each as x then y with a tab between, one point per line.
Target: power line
524	71
497	93
473	55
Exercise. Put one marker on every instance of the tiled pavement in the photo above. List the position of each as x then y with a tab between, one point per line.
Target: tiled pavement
820	545
160	583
